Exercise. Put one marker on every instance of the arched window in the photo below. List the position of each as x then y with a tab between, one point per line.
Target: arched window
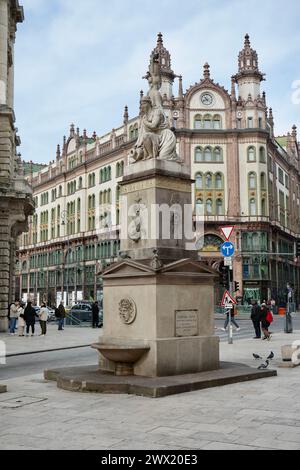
208	207
252	180
208	181
207	154
252	207
199	181
198	122
263	207
109	173
217	122
80	182
219	207
109	196
118	193
131	132
262	155
60	191
207	121
198	155
251	154
199	207
218	154
263	182
219	181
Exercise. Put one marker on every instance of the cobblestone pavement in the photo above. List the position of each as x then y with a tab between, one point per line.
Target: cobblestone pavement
264	414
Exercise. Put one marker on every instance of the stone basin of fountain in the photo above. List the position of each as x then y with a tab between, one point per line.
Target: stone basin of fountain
124	356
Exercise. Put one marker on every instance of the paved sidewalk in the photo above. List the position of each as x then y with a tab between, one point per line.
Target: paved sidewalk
264	414
54	340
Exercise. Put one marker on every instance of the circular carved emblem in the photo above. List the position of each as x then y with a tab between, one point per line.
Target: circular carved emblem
127	311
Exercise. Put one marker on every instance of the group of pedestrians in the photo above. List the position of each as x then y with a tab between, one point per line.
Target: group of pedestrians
22	319
262	318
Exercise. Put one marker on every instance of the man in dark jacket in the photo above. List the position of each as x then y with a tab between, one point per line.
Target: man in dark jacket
256	318
95	314
60	314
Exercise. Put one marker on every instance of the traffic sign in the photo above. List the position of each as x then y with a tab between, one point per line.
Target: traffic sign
228	261
227	231
227	249
227	300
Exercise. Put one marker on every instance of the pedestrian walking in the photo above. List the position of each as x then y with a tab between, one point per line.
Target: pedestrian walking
60	314
233	313
265	323
95	315
256	318
13	317
21	321
29	317
43	315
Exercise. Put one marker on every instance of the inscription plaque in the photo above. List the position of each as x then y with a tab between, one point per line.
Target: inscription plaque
186	323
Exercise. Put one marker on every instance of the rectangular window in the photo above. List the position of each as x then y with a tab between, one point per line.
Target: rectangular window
280	176
286	181
250	122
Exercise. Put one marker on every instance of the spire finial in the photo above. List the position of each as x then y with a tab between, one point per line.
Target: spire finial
58	152
126	115
160	41
206	73
233	93
72	130
294	131
247	40
180	88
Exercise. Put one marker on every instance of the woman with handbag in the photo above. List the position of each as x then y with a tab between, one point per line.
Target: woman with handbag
266	320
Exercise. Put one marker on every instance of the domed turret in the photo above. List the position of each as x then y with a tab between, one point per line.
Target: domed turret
167	74
249	76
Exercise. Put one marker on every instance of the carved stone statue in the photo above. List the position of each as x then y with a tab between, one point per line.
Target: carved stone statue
155	140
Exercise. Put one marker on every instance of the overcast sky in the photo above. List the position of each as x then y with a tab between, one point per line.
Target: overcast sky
82	61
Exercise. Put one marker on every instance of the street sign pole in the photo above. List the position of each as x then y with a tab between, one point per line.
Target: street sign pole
230	332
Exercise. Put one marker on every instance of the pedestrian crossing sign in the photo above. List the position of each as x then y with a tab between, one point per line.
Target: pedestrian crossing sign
227	300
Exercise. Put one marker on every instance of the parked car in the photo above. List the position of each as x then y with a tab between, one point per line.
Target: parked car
82	311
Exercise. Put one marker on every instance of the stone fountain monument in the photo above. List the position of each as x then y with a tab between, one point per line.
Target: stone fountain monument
158	334
159	299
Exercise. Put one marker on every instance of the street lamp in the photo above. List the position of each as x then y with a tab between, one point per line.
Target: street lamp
64	218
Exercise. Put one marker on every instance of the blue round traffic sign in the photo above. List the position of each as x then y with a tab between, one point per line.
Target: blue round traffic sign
227	249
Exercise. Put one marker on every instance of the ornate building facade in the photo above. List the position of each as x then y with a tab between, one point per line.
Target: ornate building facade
244	176
15	193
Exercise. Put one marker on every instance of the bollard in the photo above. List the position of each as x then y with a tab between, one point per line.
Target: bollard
288	320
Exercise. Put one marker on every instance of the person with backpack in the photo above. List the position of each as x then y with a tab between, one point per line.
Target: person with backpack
95	315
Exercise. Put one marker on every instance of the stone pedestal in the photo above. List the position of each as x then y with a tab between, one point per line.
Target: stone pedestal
156	211
170	310
159	296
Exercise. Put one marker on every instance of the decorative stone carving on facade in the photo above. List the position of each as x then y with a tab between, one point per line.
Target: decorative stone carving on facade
127	311
156	263
135	225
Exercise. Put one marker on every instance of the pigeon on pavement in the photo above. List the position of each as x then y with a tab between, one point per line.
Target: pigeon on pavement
264	366
271	355
256	356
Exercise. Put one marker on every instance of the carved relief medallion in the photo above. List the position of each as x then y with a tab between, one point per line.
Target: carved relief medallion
127	311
